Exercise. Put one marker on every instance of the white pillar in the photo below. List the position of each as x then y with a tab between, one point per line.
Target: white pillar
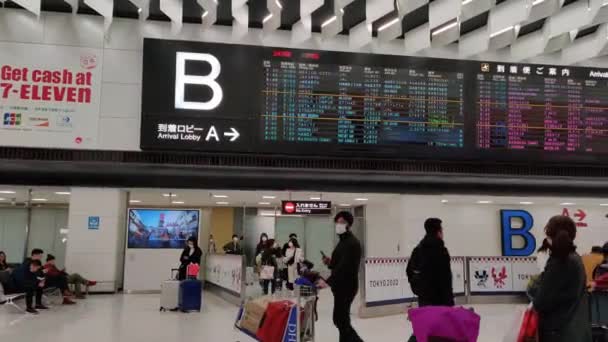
97	254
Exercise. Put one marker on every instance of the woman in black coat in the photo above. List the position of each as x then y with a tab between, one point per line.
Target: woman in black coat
561	300
191	254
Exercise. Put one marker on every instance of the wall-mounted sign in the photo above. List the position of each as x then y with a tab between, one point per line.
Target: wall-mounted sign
94	222
49	95
578	215
306	208
517	223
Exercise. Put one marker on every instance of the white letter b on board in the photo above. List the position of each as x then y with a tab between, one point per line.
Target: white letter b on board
181	79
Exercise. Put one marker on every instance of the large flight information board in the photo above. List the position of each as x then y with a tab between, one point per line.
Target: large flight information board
553	109
308	102
200	96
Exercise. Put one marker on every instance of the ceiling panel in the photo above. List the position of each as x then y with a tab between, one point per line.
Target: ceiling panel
504	14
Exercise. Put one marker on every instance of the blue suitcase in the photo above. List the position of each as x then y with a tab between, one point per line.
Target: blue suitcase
190	295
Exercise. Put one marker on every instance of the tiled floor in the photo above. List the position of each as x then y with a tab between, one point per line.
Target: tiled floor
134	318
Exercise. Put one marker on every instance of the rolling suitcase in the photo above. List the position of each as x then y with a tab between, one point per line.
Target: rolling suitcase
169	293
190	295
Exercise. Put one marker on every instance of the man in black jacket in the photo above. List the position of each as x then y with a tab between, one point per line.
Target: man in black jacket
428	270
344	280
29	278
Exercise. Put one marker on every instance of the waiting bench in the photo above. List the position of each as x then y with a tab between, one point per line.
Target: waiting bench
9	299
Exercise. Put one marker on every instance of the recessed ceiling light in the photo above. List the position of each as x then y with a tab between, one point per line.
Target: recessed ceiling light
178	202
484	202
444	201
361	199
526	203
220	196
39	199
315	198
139	10
567	203
264	203
134	201
169	195
222	203
8	192
345	205
604	205
269	197
65	193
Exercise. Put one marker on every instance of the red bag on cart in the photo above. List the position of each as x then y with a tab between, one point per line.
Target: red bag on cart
275	321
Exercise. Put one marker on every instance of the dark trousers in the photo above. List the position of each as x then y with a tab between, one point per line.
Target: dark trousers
30	292
342	303
59	281
268	282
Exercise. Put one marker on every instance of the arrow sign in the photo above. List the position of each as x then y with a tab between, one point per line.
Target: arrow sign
580	214
233	135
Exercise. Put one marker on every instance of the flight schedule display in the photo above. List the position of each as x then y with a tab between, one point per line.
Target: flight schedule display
212	97
311	102
550	109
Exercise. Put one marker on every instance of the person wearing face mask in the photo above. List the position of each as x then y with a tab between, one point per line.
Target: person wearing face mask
344	280
191	254
261	244
293	257
234	246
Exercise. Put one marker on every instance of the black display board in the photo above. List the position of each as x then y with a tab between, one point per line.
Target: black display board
237	98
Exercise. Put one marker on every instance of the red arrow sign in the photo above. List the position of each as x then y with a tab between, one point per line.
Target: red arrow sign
580	215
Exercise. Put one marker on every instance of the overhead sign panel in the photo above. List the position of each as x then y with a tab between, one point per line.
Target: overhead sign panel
306	208
236	98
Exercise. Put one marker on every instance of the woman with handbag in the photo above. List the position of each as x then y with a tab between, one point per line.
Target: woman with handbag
293	257
269	266
561	299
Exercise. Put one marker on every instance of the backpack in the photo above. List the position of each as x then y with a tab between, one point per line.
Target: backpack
415	274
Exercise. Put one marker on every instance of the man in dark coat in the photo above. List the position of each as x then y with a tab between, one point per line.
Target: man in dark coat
29	278
428	271
344	280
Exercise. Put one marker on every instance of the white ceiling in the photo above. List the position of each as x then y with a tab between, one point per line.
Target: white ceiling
235	198
39	195
270	199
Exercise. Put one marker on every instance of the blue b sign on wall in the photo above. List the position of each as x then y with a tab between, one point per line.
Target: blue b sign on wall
94	222
508	232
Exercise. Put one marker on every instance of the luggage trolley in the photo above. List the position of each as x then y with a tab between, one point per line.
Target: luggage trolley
300	324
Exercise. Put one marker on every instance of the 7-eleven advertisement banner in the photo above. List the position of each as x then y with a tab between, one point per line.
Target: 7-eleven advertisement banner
49	95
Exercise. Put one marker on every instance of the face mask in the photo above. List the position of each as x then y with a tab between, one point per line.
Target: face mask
190	245
235	239
340	228
290	245
211	240
549	241
264	239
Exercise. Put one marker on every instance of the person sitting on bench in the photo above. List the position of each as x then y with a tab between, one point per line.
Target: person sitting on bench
28	278
57	279
63	278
